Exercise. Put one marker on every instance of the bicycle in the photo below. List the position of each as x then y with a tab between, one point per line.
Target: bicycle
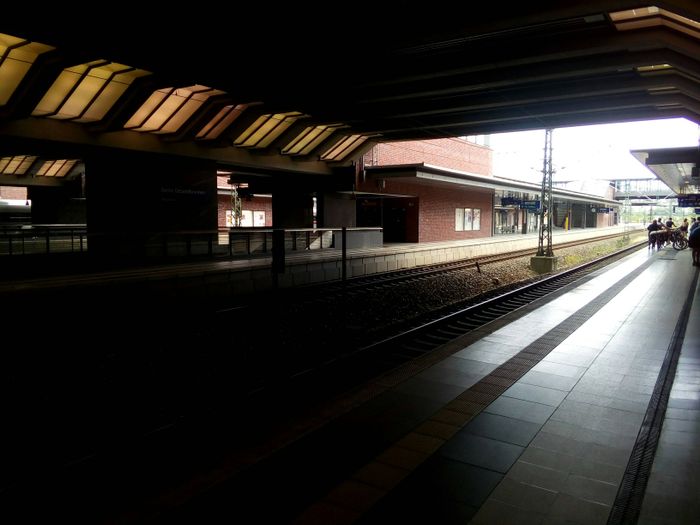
678	239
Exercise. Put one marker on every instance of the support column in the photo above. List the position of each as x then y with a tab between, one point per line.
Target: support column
148	205
545	261
58	204
292	209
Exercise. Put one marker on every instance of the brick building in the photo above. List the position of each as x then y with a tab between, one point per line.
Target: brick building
256	210
444	189
427	191
470	155
413	209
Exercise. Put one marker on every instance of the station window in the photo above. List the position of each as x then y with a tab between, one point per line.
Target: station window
248	218
229	219
258	218
467	219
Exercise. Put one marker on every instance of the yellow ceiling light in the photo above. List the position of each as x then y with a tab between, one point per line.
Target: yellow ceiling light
66	168
17	165
223	119
86	92
166	110
266	129
56	168
344	147
16	57
655	67
309	139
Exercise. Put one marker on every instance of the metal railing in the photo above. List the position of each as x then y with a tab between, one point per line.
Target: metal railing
42	239
258	241
222	242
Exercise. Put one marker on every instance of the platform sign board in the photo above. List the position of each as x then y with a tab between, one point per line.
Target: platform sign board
509	201
689	201
596	209
530	205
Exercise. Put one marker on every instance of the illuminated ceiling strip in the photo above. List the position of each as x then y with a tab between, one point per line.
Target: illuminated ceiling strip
67	168
656	67
17	165
63	89
343	147
309	139
166	110
16	58
652	16
44	167
223	119
148	108
265	129
56	168
191	102
25	165
86	92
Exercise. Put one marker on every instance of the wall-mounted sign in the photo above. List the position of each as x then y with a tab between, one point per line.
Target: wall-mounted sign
530	205
689	201
509	201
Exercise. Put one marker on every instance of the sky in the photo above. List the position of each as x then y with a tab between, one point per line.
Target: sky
589	152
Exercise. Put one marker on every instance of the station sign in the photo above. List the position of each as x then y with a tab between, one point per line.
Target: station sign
509	201
530	205
689	201
596	209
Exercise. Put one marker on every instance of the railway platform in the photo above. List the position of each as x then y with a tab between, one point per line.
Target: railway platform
582	407
532	418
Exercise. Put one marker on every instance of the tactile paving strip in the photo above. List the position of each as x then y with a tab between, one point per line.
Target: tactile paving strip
630	495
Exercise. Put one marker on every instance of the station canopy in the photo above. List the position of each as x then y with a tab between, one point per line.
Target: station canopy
307	89
675	167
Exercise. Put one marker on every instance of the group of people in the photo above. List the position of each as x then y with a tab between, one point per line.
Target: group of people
660	234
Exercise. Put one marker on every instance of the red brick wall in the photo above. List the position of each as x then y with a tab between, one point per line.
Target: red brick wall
437	206
255	204
13	192
452	153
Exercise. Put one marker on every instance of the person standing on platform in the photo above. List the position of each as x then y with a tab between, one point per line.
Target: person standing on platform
694	224
694	244
653	228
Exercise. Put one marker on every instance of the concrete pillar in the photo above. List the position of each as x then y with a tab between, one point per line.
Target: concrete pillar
292	209
339	209
58	204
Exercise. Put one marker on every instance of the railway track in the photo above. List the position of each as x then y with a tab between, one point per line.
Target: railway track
440	327
325	292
